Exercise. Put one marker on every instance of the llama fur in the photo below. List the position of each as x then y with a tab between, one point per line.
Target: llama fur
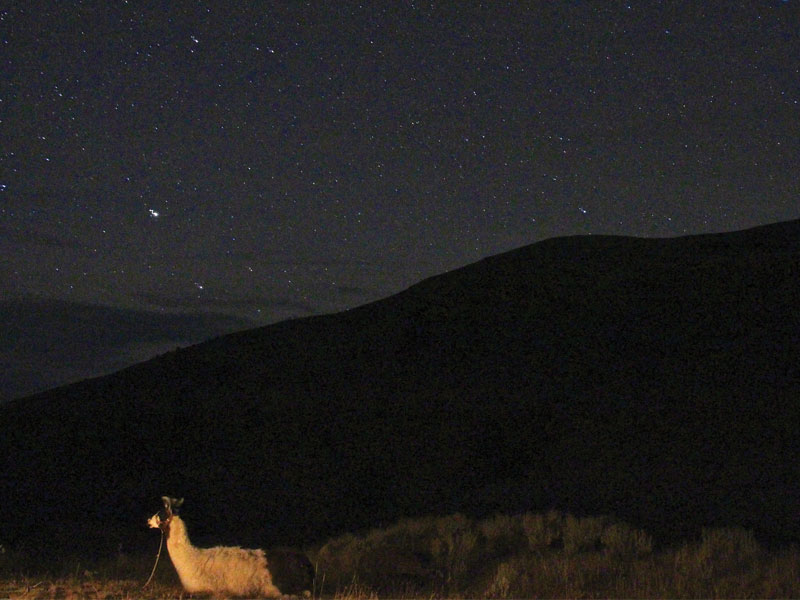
220	570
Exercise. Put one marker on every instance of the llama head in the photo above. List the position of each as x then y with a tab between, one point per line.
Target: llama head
162	518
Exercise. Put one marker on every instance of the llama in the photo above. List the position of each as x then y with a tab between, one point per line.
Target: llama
229	570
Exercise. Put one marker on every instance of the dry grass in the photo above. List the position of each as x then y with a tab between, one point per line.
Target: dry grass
549	556
522	556
88	588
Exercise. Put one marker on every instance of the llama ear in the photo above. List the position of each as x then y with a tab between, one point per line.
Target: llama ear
177	503
167	501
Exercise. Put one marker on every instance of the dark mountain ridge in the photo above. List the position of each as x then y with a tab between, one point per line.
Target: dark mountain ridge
48	343
654	379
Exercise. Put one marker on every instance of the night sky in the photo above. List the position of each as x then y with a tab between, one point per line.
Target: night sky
267	160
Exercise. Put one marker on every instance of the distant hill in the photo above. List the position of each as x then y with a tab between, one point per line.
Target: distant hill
48	343
654	379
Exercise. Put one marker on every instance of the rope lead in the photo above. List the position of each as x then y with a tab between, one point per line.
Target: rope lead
153	572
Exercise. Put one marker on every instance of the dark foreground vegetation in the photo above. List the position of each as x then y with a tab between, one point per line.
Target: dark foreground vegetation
550	555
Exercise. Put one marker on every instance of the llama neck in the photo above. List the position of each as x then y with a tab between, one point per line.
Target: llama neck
180	548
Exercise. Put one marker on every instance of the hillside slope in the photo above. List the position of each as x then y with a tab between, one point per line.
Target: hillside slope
48	343
655	379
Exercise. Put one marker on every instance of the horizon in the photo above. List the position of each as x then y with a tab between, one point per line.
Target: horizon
171	328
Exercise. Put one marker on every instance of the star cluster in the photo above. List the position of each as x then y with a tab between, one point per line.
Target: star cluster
292	158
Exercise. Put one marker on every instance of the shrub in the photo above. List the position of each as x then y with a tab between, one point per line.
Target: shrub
504	576
622	541
454	549
581	535
543	530
338	561
724	549
502	535
554	555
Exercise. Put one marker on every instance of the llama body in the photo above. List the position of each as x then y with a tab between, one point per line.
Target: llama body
220	570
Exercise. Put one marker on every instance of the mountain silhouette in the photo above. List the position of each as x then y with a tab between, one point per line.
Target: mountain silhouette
48	343
653	379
